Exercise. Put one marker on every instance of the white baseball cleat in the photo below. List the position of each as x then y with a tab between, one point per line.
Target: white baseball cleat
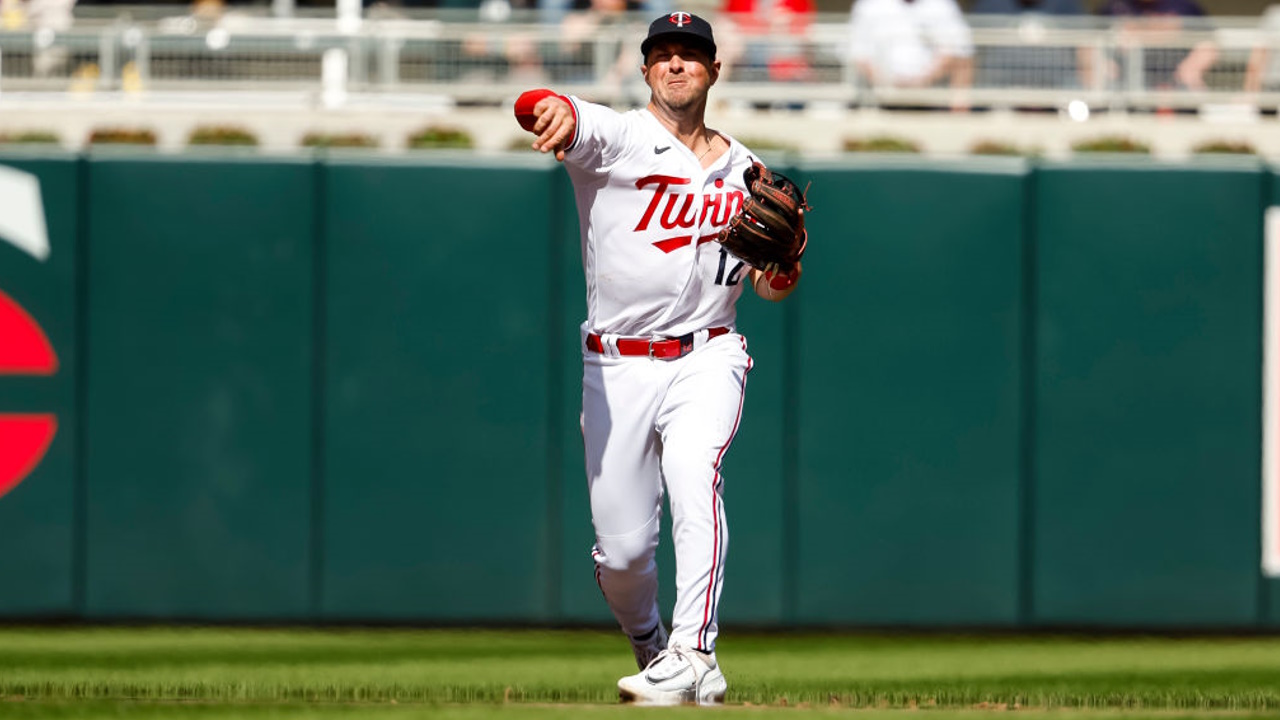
648	646
676	676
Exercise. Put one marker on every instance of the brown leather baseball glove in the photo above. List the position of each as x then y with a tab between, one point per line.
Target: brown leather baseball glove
768	232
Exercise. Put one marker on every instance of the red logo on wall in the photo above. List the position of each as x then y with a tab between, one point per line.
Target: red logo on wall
24	437
24	347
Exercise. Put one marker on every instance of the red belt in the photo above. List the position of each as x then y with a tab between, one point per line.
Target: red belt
662	348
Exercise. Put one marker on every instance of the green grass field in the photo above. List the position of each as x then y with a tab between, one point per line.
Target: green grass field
534	674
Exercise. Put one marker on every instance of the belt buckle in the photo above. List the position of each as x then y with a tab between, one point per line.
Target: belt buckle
686	343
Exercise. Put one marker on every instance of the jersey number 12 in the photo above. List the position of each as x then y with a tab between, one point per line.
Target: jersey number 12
734	275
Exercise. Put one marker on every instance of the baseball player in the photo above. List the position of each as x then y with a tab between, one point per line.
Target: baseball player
664	370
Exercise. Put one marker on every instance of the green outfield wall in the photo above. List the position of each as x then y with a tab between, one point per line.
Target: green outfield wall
1008	394
1148	379
198	390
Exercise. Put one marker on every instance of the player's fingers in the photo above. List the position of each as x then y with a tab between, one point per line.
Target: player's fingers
563	131
553	137
543	143
545	104
545	112
546	127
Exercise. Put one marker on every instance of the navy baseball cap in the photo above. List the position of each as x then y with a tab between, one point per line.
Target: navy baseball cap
681	26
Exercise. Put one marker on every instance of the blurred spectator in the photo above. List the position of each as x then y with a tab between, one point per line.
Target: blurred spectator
553	12
1032	64
46	19
510	57
52	15
484	56
912	44
766	39
597	44
1263	70
597	26
43	19
13	15
1153	27
208	11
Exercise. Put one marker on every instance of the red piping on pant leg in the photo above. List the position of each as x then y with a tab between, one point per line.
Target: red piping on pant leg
708	608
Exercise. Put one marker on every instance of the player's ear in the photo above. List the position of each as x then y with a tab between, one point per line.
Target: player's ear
715	71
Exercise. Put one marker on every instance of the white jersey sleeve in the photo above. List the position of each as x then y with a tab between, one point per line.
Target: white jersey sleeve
601	137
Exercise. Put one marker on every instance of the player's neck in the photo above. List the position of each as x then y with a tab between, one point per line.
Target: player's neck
689	127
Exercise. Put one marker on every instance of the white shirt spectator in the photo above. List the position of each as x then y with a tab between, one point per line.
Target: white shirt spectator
1263	70
904	41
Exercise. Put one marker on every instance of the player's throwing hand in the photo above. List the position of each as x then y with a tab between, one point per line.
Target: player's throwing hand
550	117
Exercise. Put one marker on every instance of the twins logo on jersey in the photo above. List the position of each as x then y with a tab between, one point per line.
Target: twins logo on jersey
720	206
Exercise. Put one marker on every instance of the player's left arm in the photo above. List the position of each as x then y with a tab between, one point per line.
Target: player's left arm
775	286
768	231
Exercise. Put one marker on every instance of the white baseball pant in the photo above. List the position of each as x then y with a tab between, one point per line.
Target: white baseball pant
647	423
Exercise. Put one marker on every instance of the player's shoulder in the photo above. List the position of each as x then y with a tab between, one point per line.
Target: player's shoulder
640	131
640	118
640	128
629	115
604	133
739	153
739	158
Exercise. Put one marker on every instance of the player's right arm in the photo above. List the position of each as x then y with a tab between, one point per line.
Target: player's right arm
591	136
549	116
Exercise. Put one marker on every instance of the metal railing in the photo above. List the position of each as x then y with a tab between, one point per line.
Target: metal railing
1018	62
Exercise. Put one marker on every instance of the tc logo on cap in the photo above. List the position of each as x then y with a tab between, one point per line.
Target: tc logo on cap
679	19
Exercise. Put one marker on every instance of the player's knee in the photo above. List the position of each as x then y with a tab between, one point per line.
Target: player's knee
625	553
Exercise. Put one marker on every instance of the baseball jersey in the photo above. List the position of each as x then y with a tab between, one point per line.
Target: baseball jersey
648	214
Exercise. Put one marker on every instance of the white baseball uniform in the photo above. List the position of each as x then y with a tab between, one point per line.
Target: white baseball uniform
648	213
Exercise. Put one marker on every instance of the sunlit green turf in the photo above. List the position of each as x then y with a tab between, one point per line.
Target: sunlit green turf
300	711
467	674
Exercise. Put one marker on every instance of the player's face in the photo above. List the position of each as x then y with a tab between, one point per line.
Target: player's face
679	74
